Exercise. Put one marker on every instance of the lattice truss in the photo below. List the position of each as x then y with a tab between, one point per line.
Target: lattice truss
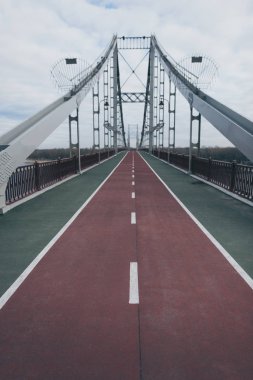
68	73
113	94
198	70
154	110
109	104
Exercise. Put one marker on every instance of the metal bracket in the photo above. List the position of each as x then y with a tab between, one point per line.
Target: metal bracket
158	127
109	127
133	97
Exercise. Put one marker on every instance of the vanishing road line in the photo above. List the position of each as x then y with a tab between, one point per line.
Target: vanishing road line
133	218
134	287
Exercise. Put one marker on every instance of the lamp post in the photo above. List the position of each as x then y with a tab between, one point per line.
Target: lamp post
106	106
161	104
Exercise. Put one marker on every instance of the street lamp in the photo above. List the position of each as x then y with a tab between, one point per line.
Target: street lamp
106	106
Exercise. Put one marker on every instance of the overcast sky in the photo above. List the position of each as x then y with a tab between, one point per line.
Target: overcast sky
35	34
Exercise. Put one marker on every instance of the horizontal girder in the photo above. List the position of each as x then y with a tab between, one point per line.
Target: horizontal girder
134	43
133	97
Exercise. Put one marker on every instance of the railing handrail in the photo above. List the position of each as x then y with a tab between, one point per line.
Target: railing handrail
27	179
234	177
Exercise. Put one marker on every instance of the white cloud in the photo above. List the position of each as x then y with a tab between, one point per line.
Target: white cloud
34	35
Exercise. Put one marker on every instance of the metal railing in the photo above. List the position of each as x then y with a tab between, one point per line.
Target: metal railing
233	177
28	179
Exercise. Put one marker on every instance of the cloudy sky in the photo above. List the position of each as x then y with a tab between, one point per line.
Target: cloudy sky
35	34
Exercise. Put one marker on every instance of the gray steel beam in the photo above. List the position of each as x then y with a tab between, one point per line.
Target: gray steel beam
232	125
22	140
146	120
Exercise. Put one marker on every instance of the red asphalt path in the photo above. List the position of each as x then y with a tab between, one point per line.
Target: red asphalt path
71	318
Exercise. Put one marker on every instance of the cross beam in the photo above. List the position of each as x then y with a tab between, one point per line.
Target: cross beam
133	97
134	43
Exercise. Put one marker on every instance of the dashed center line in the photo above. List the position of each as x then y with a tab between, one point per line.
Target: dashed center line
133	194
133	218
133	183
132	175
134	287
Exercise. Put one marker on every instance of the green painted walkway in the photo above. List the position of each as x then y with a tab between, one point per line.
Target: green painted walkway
28	228
227	219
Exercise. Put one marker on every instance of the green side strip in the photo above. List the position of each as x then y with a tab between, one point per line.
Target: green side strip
26	229
227	219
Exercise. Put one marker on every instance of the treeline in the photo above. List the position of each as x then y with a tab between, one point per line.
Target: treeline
54	154
221	154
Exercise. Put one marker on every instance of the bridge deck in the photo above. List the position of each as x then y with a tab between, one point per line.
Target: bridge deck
71	317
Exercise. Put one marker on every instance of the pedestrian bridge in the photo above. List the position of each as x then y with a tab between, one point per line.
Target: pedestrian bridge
126	264
132	270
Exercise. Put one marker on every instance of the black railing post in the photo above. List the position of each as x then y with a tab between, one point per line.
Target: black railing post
37	175
232	177
59	167
209	169
75	158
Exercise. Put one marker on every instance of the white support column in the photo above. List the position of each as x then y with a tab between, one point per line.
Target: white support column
161	110
192	144
115	100
111	133
172	117
70	138
156	100
96	116
151	97
78	141
106	107
76	145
